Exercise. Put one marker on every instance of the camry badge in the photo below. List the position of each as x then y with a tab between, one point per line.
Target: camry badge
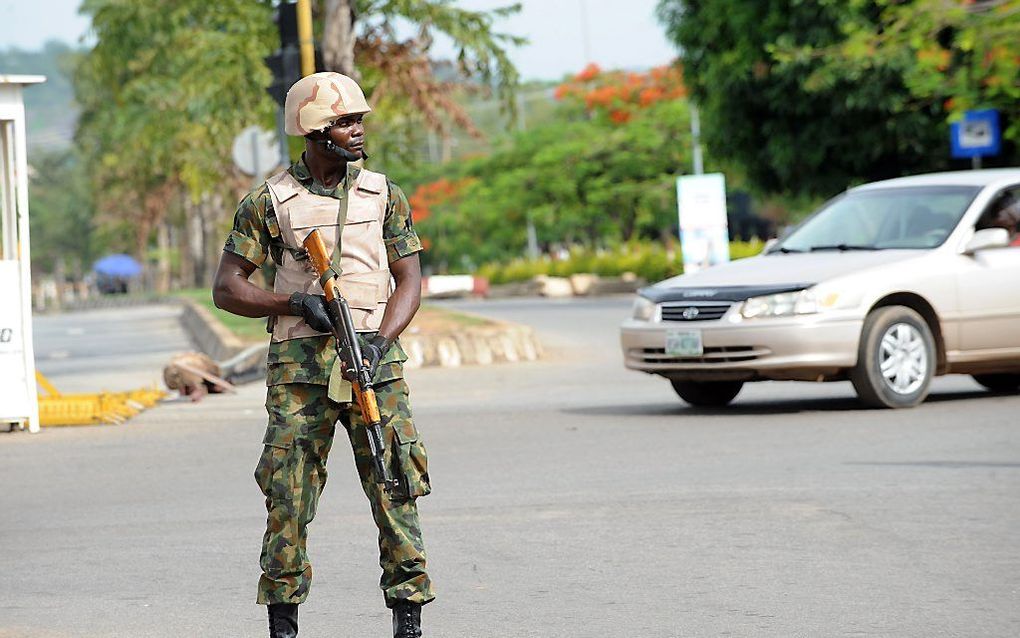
691	313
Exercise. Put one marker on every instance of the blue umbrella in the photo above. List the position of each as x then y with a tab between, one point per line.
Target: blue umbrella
118	266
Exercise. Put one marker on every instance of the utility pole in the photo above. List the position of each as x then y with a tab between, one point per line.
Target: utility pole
306	39
532	231
585	35
532	239
522	120
699	166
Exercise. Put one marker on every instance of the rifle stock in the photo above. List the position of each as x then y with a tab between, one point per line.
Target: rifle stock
349	352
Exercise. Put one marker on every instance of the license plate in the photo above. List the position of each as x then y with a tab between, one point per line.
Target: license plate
684	343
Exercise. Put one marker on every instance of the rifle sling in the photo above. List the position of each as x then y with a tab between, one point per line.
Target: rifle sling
334	264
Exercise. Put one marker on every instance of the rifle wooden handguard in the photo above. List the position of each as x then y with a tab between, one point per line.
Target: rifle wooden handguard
319	256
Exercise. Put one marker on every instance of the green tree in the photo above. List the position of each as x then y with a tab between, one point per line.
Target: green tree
50	104
418	99
958	53
772	117
163	93
583	180
61	220
361	39
167	87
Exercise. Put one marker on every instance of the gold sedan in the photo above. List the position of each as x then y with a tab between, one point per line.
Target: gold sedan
887	286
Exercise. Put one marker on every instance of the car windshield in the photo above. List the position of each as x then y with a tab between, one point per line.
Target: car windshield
904	217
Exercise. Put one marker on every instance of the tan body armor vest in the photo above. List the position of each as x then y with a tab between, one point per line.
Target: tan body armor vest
364	269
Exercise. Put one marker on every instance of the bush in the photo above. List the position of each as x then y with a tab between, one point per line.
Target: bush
742	249
651	261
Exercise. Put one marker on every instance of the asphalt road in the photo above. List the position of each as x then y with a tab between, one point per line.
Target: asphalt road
114	349
572	498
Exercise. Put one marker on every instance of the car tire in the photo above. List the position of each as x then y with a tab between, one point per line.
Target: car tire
707	394
1004	383
895	359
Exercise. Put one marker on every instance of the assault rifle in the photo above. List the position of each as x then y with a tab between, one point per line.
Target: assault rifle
349	351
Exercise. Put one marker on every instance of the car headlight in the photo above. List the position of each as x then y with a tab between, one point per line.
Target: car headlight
784	304
644	309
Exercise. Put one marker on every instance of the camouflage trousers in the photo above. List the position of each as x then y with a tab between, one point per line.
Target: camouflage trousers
292	474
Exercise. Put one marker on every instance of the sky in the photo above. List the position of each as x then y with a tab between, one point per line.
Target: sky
617	37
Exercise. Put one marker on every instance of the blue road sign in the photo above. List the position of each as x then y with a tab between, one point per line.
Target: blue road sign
977	135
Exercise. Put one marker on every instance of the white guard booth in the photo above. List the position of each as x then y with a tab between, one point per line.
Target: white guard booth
19	403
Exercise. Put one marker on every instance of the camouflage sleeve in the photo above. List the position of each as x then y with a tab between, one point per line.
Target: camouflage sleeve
249	237
398	227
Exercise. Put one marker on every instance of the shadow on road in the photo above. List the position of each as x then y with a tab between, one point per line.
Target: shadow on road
758	408
958	465
749	408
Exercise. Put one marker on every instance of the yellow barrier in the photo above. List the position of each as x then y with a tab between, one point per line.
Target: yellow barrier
91	409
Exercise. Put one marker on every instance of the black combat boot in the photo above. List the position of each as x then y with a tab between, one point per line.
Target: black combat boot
283	620
406	620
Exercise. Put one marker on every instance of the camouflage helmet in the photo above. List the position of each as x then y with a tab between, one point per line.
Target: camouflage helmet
316	101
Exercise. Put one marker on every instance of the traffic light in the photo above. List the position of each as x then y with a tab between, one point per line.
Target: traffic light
285	62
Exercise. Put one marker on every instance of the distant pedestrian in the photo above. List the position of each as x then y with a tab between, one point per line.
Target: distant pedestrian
366	222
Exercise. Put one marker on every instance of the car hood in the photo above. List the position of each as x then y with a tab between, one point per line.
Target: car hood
789	271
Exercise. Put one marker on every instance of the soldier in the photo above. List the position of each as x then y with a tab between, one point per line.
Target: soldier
365	220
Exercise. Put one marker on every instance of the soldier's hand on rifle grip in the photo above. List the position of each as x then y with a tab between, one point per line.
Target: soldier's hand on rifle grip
374	351
313	309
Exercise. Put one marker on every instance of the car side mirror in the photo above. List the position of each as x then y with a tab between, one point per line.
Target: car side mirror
769	245
987	238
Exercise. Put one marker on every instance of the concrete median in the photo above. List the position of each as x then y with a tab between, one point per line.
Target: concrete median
484	344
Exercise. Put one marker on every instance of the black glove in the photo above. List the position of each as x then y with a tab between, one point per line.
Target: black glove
313	309
373	352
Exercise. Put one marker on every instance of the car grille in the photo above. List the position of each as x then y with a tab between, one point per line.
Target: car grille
728	354
698	311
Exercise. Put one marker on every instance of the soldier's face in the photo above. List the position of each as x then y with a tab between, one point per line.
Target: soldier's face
349	134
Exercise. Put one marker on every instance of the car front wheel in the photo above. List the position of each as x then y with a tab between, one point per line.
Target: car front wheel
895	359
707	394
1003	383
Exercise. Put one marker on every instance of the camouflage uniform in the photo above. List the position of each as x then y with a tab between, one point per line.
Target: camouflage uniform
303	409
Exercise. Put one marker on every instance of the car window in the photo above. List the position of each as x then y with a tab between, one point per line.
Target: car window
875	219
1003	212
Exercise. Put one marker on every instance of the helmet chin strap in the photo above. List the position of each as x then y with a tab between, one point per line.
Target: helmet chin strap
334	148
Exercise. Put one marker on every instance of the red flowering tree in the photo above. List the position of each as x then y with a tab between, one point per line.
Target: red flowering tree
429	197
601	171
619	94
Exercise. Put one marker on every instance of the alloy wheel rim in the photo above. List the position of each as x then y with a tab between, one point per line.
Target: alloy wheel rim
903	358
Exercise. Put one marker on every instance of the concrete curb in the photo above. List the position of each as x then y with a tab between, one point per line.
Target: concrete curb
498	342
579	285
207	332
108	301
